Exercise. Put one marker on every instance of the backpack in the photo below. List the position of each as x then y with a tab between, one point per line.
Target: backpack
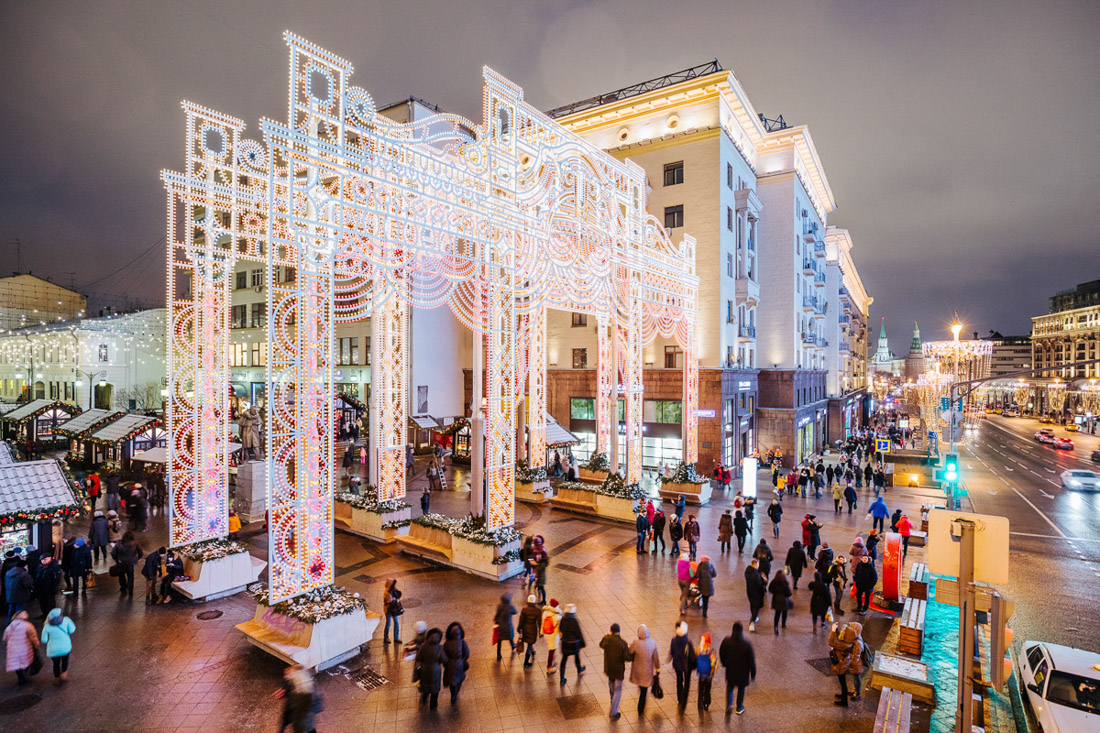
866	655
548	625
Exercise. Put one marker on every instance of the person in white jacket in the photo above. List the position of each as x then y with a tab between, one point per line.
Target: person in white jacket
645	661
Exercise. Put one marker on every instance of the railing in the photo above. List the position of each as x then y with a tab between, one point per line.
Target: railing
808	301
844	320
819	247
748	332
808	263
819	278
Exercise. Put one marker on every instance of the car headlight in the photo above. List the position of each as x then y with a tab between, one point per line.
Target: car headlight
1074	482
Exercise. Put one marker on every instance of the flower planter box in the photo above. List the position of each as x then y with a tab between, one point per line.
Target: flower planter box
693	493
585	474
313	645
219	578
599	505
439	546
369	524
526	492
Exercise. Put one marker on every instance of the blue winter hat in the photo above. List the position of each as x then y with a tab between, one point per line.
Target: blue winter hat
79	542
18	550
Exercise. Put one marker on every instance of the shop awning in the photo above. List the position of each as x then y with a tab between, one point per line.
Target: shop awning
425	422
156	454
238	390
556	435
124	428
86	421
33	409
38	489
6	407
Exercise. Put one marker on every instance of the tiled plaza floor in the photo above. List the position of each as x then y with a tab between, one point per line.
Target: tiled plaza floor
161	668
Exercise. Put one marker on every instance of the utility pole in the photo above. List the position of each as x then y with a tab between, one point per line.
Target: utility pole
963	529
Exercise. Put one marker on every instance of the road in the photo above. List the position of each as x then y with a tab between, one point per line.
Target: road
1055	534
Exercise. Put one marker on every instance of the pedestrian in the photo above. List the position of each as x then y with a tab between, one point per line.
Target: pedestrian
551	621
530	624
506	632
151	571
865	577
658	528
796	562
234	525
645	663
675	534
650	512
705	575
706	660
641	526
725	530
815	536
392	608
80	565
894	519
838	495
426	500
750	511
301	702
847	658
741	530
540	562
57	636
780	590
905	529
683	579
572	640
680	506
114	527
775	513
112	491
92	486
820	600
764	556
18	587
850	497
692	532
755	589
458	659
681	653
428	668
97	535
829	474
46	584
838	577
138	509
126	554
824	559
879	512
737	656
868	473
615	655
880	480
22	644
872	545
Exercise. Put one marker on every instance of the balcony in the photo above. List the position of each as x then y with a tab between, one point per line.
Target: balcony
809	265
808	303
819	280
844	347
808	339
747	292
746	333
809	231
819	310
819	248
844	319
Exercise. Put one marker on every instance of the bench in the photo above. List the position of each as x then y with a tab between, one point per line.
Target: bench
697	494
918	539
918	581
911	638
894	709
427	542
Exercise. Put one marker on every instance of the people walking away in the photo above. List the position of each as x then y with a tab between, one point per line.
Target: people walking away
126	554
829	474
756	589
736	655
750	512
705	575
692	532
781	599
572	640
764	556
428	668
683	579
138	509
21	642
865	577
706	660
879	513
905	529
725	530
796	562
57	636
458	659
681	653
645	664
880	480
741	530
530	624
391	606
97	535
894	519
658	528
151	571
641	526
18	587
112	491
775	513
846	657
850	497
301	702
539	561
838	577
650	512
824	559
551	620
675	534
820	600
80	565
615	655
868	474
872	545
838	496
46	584
506	631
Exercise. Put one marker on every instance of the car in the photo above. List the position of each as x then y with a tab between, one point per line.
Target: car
1063	686
1063	443
1080	478
1046	420
1010	413
1044	435
1071	427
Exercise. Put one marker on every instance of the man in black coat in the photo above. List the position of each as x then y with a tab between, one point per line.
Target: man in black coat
428	668
764	557
46	584
19	588
737	656
681	653
572	640
529	621
755	588
615	655
659	530
81	566
865	577
796	561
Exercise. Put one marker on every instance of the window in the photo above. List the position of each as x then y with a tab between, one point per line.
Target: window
674	173
582	408
729	264
259	353
579	320
239	315
729	312
662	411
1034	656
580	358
242	280
366	350
257	278
670	356
729	176
347	351
259	315
729	218
238	355
674	217
103	354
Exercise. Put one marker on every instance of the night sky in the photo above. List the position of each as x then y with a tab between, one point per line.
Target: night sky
959	137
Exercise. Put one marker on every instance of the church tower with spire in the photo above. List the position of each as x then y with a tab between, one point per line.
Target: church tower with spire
914	361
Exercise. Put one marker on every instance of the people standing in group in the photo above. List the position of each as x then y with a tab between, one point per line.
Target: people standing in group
615	655
775	513
80	565
645	663
650	512
692	532
824	559
905	529
530	624
857	550
755	589
780	590
879	512
57	635
764	557
737	656
681	653
458	659
21	642
428	668
847	659
864	576
392	608
572	640
551	621
872	545
125	554
706	660
705	575
750	511
506	631
658	530
725	531
675	534
740	530
796	562
18	587
820	600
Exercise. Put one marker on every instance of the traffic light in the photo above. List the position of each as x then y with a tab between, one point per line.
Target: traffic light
951	468
1000	641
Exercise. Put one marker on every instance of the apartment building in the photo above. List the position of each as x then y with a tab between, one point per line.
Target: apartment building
1069	333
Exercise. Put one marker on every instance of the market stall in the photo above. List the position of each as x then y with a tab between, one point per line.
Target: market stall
79	429
128	435
456	438
6	455
32	495
37	420
420	429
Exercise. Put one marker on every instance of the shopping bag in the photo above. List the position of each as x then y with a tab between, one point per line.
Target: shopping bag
496	635
658	693
829	615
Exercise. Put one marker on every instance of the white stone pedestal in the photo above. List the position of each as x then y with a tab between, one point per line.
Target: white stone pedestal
317	646
526	492
693	493
439	546
369	524
219	578
250	497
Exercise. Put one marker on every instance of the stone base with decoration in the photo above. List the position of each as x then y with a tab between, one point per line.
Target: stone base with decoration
464	544
685	482
595	470
613	499
381	521
216	568
532	484
317	630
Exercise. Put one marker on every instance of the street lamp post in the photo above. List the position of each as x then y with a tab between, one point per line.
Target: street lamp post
956	327
91	381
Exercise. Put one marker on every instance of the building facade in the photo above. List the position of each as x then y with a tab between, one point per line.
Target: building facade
1069	333
28	300
1011	354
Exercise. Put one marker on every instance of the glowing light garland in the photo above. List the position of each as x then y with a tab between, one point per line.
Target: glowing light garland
498	222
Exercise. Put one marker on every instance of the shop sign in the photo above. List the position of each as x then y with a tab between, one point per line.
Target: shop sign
704	413
744	386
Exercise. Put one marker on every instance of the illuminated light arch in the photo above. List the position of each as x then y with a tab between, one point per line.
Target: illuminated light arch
499	222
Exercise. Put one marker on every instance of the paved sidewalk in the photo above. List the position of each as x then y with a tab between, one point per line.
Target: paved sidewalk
162	668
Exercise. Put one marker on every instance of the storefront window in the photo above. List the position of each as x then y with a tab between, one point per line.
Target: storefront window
655	451
582	408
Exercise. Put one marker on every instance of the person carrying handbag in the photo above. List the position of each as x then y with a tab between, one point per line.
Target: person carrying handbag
23	648
391	604
645	661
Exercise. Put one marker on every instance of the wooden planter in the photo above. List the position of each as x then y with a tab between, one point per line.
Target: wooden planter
369	524
437	545
586	475
526	492
318	646
600	505
219	578
693	493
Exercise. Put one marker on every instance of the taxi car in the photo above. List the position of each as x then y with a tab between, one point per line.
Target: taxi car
1063	686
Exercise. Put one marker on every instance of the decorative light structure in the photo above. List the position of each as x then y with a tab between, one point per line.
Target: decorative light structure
498	222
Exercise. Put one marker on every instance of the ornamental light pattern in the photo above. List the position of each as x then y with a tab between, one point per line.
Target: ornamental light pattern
497	222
